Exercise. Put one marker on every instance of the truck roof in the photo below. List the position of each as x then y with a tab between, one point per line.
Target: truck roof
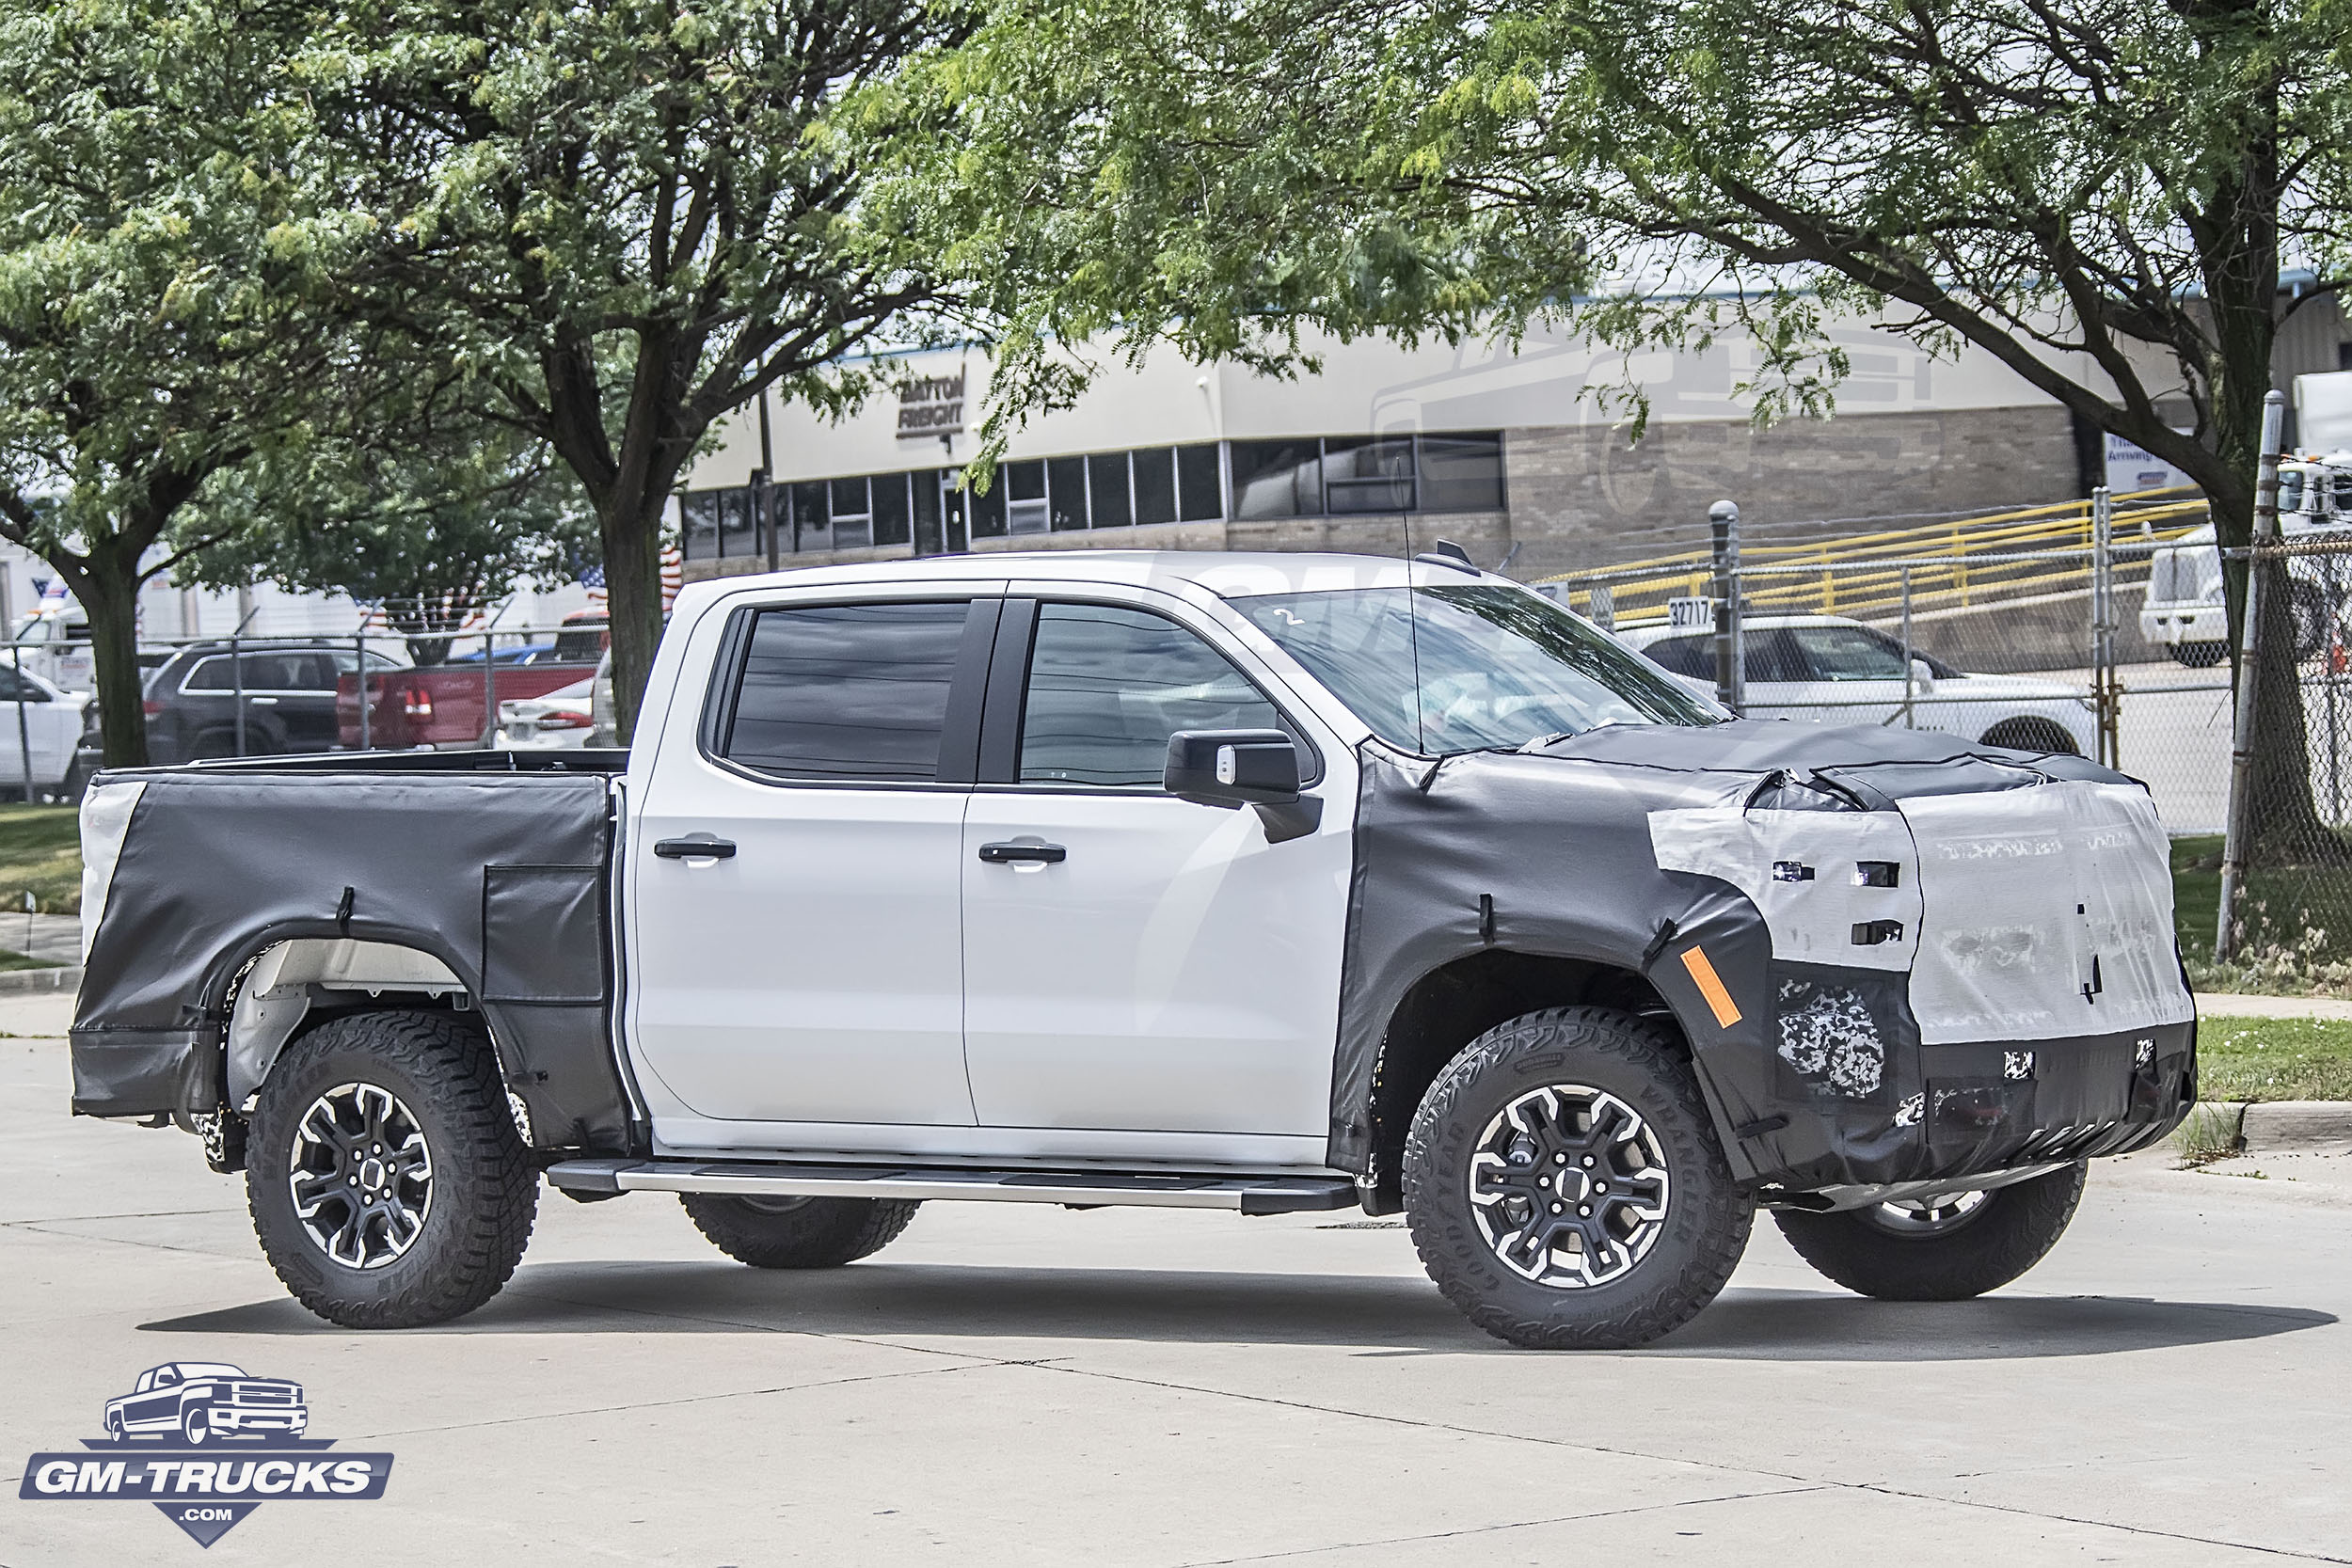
1229	573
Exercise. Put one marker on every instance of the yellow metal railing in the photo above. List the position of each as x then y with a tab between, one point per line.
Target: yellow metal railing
1955	564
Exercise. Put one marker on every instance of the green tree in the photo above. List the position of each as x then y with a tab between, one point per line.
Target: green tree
2100	194
433	528
618	220
152	330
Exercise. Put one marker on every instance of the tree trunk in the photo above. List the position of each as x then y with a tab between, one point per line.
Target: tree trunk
630	525
106	586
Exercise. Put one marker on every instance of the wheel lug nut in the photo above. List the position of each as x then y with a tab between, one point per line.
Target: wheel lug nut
354	1180
1588	1160
1543	1181
1600	1186
1556	1208
1560	1159
1585	1212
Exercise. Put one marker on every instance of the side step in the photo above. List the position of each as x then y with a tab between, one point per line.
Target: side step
1248	1194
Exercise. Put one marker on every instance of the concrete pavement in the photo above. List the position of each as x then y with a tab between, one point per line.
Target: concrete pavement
1021	1386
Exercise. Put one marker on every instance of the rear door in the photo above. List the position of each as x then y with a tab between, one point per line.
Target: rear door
1167	970
809	969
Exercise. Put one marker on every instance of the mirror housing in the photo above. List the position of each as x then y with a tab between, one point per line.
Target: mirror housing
1230	768
1922	675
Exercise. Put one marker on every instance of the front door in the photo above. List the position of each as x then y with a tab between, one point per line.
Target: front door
808	969
1169	971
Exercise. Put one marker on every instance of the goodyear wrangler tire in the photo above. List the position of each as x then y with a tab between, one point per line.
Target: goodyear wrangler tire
388	1184
798	1232
1564	1188
1943	1249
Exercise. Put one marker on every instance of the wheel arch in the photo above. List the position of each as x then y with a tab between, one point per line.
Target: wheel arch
272	994
1451	1004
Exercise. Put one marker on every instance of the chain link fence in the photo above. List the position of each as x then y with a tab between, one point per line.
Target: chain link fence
2098	629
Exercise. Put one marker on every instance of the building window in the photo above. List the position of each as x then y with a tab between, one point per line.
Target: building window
1026	509
852	514
1199	484
893	519
1277	478
930	510
1156	486
1461	473
698	515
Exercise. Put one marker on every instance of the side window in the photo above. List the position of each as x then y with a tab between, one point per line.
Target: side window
1684	656
846	692
1849	654
1108	686
167	1376
12	689
211	674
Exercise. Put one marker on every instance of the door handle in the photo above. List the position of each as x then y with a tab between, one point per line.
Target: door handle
253	699
1005	854
694	848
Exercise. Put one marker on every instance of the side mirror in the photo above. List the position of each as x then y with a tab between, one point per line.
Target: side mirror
1922	674
1230	768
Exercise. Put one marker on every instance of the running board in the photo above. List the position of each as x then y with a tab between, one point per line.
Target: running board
1248	1194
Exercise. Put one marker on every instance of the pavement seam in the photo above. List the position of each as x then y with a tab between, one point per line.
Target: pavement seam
664	1404
1885	1490
1803	1482
1508	1524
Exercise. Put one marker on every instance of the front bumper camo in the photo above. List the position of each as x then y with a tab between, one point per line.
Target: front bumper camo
1974	983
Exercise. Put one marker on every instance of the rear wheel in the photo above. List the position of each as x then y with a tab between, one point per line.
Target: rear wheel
798	1232
1563	1185
1947	1248
388	1183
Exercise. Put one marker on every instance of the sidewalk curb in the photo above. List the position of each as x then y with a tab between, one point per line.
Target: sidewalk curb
65	977
2269	1127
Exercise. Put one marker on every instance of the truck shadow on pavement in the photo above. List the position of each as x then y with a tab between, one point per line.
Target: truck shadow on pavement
1389	1313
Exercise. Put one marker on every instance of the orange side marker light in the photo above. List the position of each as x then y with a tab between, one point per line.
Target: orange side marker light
1711	986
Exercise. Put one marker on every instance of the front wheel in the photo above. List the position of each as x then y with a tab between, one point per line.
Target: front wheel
1563	1185
798	1232
1945	1248
196	1425
388	1183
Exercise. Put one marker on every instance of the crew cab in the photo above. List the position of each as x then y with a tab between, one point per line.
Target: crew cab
1268	883
199	1400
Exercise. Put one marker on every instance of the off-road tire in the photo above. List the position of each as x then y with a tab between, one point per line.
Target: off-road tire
1706	1220
2006	1235
443	1070
810	1233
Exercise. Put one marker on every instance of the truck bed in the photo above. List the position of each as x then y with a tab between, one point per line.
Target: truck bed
497	865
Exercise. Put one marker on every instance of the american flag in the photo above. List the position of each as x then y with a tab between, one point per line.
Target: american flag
673	578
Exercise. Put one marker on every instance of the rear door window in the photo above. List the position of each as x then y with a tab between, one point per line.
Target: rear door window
847	693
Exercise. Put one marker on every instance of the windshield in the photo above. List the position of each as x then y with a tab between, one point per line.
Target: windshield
1479	666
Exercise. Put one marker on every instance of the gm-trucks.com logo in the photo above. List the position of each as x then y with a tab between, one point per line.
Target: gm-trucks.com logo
208	1445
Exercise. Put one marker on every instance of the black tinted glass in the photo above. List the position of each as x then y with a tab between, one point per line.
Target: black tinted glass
1199	491
1107	687
1156	486
847	692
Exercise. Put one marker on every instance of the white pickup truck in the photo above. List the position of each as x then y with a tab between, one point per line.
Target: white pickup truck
1263	884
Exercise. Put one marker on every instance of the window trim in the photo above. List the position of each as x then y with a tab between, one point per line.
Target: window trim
1009	693
959	734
